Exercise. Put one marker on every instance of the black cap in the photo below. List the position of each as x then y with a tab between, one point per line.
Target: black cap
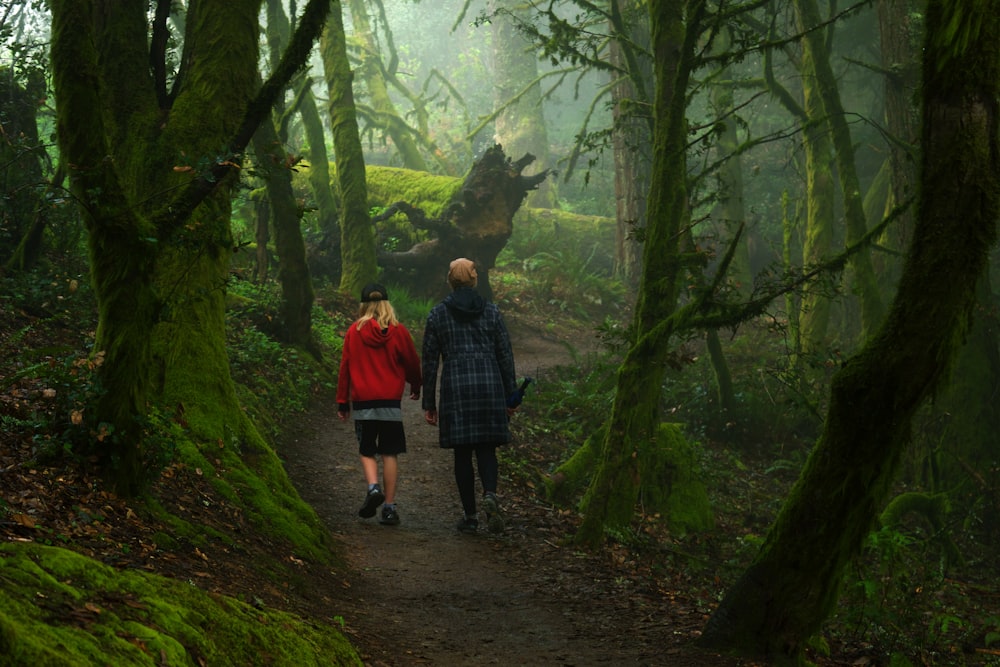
374	292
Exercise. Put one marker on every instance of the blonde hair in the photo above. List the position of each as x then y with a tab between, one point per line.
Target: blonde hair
381	311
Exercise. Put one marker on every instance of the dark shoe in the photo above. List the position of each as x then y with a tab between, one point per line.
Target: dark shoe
494	520
468	525
389	516
372	501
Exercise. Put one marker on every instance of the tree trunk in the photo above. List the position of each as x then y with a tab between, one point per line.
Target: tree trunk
286	216
520	126
902	77
792	585
158	226
384	112
815	47
610	499
631	134
357	237
813	314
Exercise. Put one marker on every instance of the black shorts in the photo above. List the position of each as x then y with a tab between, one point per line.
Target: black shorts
379	437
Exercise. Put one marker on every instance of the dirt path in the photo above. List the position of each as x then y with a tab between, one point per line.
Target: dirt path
421	593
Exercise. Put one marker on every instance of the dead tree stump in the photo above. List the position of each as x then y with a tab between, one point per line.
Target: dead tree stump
476	224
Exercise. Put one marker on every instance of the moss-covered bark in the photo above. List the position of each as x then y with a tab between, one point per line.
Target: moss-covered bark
286	217
813	313
371	73
792	585
357	236
610	499
153	173
814	46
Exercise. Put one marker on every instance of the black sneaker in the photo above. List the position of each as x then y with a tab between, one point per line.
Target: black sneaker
389	516
372	501
468	525
494	520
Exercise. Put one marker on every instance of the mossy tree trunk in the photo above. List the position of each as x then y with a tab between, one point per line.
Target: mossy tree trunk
791	587
966	450
152	170
610	499
357	235
813	314
815	47
22	206
274	165
383	110
517	93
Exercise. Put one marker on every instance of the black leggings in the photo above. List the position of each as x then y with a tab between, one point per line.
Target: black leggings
489	469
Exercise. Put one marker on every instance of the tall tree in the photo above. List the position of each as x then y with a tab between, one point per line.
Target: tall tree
815	47
153	167
371	72
631	131
357	234
520	123
791	586
675	27
274	165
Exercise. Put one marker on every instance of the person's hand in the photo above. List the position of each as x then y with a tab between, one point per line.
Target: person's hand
510	412
343	415
431	417
415	395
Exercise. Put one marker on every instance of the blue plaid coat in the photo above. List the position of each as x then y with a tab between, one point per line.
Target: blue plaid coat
468	339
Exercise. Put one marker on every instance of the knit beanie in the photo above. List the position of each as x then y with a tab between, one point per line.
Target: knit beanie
462	273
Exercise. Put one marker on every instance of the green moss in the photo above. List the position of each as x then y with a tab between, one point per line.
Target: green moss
672	485
61	608
425	191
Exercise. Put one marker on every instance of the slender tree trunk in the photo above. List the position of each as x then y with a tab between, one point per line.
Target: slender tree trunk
383	110
816	306
520	127
357	241
611	497
631	133
286	217
815	47
792	585
319	162
900	61
813	314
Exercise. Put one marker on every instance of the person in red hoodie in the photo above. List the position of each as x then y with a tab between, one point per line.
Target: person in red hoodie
378	359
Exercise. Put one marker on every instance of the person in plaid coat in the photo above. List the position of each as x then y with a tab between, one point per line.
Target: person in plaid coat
467	339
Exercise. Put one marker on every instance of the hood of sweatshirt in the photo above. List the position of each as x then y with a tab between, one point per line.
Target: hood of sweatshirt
375	336
465	303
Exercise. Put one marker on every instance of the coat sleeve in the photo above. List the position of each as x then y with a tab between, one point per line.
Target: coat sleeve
430	355
505	357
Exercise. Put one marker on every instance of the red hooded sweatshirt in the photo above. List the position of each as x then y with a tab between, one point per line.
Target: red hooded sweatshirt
375	366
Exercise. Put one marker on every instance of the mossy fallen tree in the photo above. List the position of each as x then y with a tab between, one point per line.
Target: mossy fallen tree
475	221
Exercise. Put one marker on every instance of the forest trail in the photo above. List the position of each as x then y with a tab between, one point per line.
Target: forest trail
421	593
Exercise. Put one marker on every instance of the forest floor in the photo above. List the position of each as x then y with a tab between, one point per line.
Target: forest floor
420	593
